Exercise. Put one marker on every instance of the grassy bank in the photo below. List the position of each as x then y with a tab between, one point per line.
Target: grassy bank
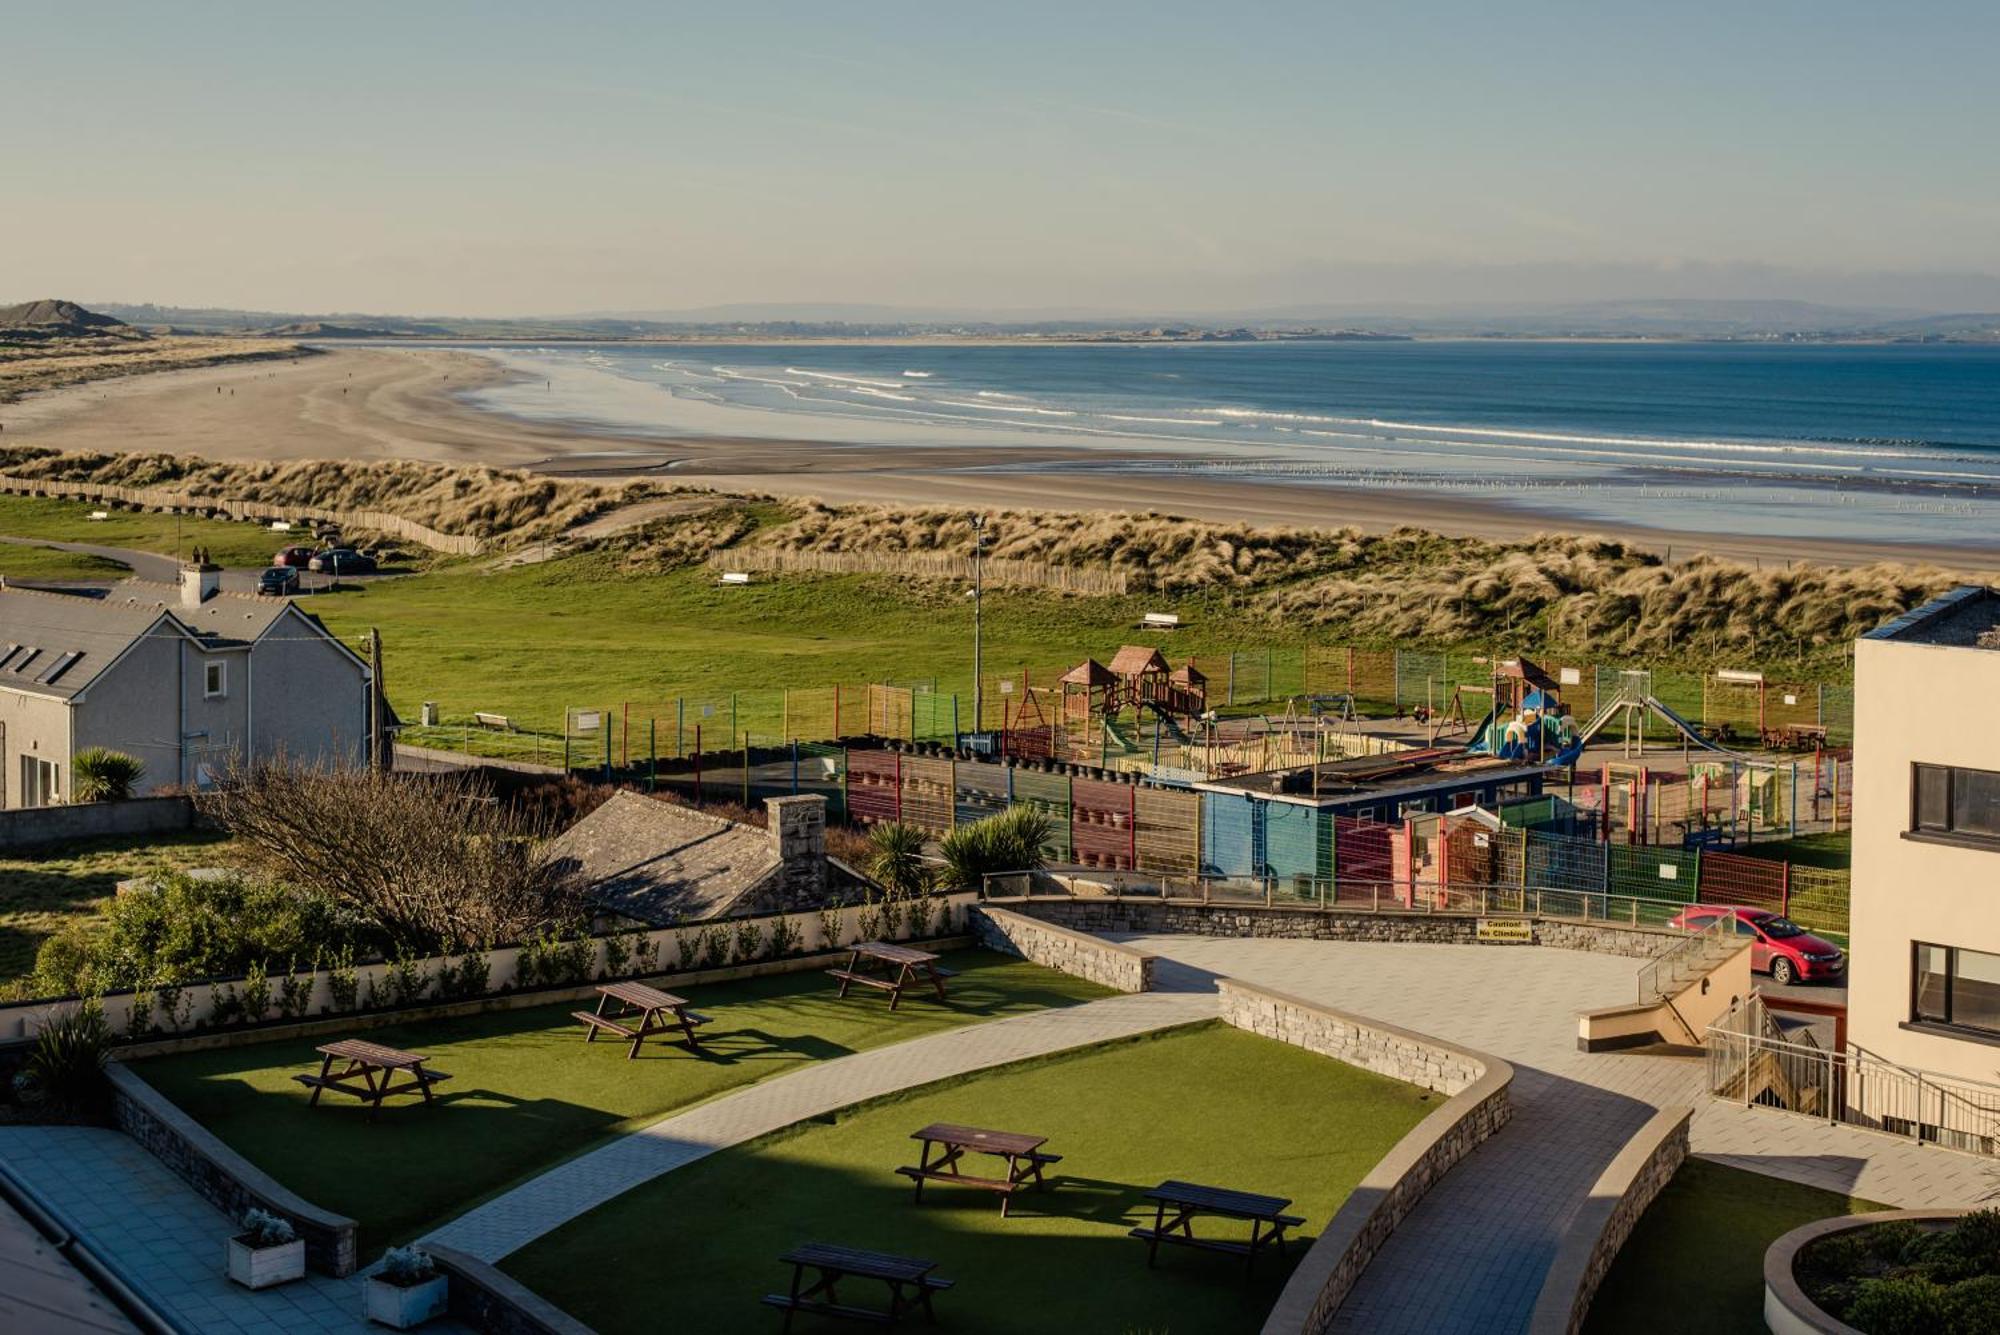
170	535
22	561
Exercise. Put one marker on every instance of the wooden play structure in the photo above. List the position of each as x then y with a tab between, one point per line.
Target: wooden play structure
1139	678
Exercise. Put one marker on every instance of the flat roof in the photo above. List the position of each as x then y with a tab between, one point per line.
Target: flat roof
1966	618
1368	776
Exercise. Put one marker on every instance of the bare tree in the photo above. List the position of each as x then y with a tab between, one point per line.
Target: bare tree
432	858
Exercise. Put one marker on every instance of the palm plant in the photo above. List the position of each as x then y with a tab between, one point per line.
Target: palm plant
65	1068
1011	840
896	859
99	774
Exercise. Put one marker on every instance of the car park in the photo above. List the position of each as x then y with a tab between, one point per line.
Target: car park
341	561
1778	946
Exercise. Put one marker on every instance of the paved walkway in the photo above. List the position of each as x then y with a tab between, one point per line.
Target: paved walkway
164	1240
511	1221
1473	1254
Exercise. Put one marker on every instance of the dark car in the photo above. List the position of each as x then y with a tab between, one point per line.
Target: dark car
341	561
278	580
296	557
1778	946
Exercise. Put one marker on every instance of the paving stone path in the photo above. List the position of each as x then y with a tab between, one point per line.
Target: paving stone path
1473	1254
511	1221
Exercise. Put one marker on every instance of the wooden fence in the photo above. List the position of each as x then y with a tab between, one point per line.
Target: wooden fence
163	498
922	565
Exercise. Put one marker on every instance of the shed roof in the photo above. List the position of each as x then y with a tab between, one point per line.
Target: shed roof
659	863
1135	659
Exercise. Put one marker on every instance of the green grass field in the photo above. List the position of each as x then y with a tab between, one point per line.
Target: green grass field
1205	1104
20	561
1834	851
527	1091
1695	1263
172	535
41	890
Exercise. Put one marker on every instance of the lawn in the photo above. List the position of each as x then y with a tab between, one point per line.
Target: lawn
1695	1263
21	561
41	890
1204	1103
69	521
527	1091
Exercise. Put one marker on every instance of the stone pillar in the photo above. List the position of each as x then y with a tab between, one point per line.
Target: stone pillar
797	830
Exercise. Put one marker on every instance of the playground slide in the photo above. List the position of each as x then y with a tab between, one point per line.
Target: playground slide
1686	729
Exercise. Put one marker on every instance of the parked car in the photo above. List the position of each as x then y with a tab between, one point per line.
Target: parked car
293	556
1778	946
341	561
279	580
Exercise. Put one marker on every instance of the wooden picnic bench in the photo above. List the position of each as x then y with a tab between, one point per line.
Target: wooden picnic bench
890	968
642	1012
370	1073
1186	1200
1023	1153
910	1283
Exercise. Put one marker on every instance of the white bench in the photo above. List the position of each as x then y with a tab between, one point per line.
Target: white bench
735	577
497	722
1160	621
100	514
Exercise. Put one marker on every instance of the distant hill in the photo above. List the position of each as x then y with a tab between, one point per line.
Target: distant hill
326	329
53	318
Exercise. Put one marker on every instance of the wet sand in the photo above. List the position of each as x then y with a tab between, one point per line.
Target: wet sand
402	403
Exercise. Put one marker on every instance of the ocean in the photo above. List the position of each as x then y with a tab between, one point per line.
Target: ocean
1897	443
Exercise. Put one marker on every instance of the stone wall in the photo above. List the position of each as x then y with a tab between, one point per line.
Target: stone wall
1622	1193
29	827
221	1176
486	1299
1120	968
797	830
1478	1106
1192	918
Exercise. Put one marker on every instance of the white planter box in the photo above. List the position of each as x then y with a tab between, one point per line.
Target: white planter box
402	1308
261	1267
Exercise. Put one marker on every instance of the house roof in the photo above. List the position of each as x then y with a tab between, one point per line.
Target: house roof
56	644
225	620
1134	659
1089	672
660	863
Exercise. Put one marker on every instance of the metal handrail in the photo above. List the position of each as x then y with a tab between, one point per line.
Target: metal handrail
1696	943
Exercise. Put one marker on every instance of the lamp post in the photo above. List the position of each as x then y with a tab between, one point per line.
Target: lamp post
978	679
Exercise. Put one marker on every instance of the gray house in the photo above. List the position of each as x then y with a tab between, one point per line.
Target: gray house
188	680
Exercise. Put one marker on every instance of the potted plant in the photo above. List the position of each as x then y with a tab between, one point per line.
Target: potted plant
268	1251
406	1290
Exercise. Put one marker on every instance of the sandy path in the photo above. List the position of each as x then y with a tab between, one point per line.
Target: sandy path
400	403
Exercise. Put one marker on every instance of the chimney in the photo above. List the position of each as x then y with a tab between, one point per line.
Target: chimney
200	580
797	830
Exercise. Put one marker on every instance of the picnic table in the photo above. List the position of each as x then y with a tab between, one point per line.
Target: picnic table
910	1283
370	1073
654	1011
1023	1154
1186	1200
1795	737
890	968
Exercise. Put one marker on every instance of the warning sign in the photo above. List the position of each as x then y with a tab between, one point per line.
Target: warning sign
1506	931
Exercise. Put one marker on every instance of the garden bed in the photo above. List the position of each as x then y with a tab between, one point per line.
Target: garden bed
1888	1274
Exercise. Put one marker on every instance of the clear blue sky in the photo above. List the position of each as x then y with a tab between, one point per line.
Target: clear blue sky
514	158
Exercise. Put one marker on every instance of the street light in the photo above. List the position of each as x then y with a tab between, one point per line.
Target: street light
978	681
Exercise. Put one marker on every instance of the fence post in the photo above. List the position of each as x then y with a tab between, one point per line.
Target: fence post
652	755
680	726
795	767
1230	696
607	747
697	764
746	771
732	719
565	739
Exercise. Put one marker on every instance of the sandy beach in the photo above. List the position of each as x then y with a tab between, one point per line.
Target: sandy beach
403	403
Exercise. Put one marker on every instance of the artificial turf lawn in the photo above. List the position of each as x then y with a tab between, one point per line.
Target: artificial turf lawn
527	1091
1695	1263
1203	1103
1835	851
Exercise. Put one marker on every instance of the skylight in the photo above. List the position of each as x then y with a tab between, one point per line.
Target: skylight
64	662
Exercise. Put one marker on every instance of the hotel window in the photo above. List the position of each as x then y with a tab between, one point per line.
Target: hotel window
1957	987
214	678
1955	804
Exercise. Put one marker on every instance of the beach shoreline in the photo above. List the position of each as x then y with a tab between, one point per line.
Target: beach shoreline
373	402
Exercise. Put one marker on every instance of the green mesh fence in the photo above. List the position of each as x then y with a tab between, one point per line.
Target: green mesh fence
1652	873
1420	678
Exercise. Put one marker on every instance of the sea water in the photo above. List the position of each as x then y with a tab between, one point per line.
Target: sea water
1895	443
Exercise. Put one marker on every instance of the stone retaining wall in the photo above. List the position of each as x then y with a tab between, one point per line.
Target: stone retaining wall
29	827
487	1299
221	1176
1190	918
1479	1106
1591	1243
1120	968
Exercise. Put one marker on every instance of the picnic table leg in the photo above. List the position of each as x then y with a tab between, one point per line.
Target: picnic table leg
644	1027
1159	1226
937	979
590	1030
902	981
923	1166
687	1027
325	1066
1250	1257
798	1271
1013	1175
423	1082
853	965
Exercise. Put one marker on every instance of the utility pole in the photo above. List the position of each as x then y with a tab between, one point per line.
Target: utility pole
978	679
375	757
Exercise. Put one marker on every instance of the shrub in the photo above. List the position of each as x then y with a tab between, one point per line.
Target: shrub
99	774
139	1014
468	979
176	1003
892	917
787	938
645	954
868	920
404	1266
572	959
1011	840
295	989
687	947
749	940
256	993
406	982
896	858
832	919
66	1065
1898	1307
617	953
264	1229
714	946
343	981
921	909
1972	1307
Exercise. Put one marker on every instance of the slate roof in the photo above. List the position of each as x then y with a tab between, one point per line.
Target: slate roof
659	863
38	630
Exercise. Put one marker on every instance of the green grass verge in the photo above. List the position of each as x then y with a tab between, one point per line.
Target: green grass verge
1835	851
1204	1103
19	561
527	1091
69	521
1695	1263
41	890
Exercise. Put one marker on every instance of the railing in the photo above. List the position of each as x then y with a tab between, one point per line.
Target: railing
1453	900
1748	1063
1687	960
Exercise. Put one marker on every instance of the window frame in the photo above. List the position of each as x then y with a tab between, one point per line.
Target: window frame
216	670
1949	1024
1920	831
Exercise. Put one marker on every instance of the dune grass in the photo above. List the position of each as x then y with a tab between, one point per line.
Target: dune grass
1695	1263
41	889
527	1091
1204	1103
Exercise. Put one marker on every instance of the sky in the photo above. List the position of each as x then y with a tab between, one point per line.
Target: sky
497	158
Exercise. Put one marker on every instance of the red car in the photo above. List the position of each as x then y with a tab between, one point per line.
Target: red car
295	557
1778	946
